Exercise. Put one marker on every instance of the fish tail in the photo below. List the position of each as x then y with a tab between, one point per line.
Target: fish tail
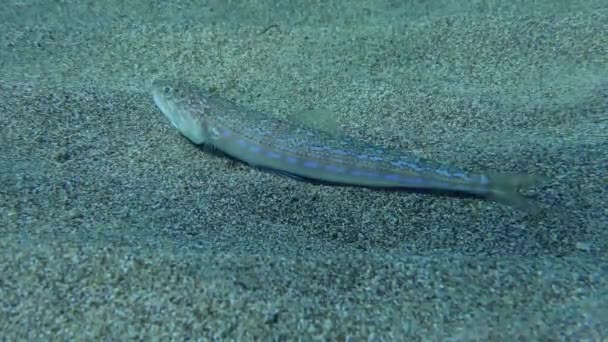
504	188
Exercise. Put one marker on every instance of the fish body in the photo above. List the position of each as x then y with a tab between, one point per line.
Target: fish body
270	143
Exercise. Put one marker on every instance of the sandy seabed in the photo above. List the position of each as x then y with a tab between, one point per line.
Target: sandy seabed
114	226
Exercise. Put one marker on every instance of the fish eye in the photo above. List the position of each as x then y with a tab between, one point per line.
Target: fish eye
167	90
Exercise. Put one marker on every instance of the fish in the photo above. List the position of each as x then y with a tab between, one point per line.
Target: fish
299	151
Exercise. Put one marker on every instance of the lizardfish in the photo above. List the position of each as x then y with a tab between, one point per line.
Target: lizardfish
270	143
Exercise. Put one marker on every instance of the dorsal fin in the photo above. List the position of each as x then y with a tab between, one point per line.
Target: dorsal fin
317	119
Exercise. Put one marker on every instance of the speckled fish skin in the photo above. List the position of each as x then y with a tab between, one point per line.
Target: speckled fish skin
264	141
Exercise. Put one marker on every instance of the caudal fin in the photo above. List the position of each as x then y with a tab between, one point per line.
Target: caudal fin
504	188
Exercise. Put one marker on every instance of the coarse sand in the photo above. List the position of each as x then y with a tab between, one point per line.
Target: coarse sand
113	226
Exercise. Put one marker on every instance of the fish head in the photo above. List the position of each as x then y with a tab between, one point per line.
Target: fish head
184	106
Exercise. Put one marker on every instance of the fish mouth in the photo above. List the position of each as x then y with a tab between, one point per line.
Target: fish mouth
181	118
